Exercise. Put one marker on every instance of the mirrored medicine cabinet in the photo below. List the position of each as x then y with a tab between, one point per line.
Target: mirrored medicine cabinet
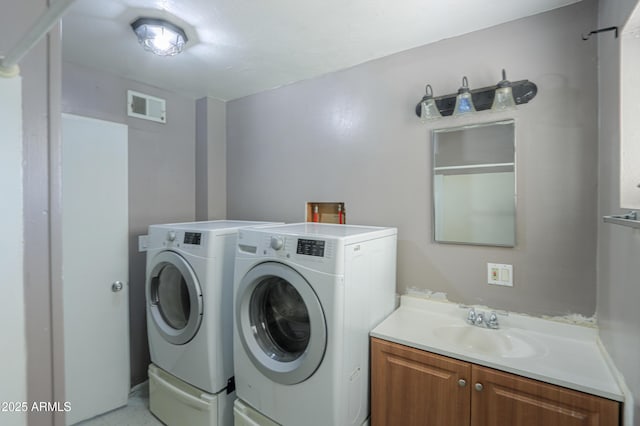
474	184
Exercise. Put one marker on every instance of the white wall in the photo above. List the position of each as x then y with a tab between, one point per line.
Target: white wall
618	247
13	375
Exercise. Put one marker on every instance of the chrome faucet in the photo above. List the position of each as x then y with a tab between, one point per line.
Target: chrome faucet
482	319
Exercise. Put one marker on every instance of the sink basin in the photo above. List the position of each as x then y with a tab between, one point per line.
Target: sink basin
501	343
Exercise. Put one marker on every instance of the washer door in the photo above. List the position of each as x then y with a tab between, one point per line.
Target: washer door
280	323
174	298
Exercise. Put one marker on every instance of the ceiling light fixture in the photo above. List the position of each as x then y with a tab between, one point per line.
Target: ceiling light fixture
159	36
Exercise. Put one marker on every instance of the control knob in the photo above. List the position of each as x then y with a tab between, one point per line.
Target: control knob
171	235
277	243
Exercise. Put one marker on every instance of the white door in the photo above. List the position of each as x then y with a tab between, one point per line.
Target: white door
13	369
95	265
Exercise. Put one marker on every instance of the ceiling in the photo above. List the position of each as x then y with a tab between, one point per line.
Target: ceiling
241	47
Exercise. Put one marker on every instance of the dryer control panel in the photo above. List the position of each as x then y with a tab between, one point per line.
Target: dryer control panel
162	237
193	238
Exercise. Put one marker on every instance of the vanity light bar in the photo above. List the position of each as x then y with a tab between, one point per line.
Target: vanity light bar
523	92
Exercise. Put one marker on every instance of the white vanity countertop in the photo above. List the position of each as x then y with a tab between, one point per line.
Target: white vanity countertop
554	352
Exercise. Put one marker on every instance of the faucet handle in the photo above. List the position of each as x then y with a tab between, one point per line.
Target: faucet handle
493	320
479	319
471	316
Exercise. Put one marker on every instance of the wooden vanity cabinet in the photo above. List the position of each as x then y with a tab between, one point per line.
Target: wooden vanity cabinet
508	399
414	387
410	387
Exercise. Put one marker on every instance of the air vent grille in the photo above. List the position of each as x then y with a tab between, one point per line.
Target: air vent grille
146	107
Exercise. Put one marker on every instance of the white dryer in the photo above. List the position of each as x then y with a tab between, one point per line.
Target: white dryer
189	293
305	298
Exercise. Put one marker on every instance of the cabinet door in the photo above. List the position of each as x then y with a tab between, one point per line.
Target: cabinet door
502	399
410	387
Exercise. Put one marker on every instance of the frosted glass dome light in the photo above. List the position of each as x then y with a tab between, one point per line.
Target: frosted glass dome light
159	36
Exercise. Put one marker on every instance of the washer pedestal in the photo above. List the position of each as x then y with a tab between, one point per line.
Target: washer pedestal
176	403
243	415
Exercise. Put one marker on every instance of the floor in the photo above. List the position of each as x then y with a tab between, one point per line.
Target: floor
136	413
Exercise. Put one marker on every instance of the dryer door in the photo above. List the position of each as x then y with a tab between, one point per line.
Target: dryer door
280	322
174	298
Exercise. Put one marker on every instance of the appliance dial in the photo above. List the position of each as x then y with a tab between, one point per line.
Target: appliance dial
277	243
171	235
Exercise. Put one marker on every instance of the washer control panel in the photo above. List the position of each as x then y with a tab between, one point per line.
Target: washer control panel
289	246
193	238
310	247
310	250
277	243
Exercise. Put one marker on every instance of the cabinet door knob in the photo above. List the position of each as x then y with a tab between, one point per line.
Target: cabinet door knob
462	383
479	387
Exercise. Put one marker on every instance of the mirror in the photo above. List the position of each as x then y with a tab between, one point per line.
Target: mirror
474	198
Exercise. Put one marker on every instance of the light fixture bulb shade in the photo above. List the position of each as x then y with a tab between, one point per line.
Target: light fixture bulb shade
464	100
159	36
503	100
503	97
428	108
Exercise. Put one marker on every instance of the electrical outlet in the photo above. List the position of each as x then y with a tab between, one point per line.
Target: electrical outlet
143	243
500	274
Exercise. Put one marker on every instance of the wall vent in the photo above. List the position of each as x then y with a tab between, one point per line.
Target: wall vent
146	107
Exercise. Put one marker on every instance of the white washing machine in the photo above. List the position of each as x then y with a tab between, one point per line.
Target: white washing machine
189	293
305	298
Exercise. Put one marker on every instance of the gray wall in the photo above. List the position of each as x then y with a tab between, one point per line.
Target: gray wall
618	247
352	136
161	173
211	159
265	181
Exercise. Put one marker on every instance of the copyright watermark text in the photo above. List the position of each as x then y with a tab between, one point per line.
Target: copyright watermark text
35	406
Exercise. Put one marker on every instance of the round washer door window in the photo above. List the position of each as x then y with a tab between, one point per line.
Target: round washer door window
174	298
280	323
